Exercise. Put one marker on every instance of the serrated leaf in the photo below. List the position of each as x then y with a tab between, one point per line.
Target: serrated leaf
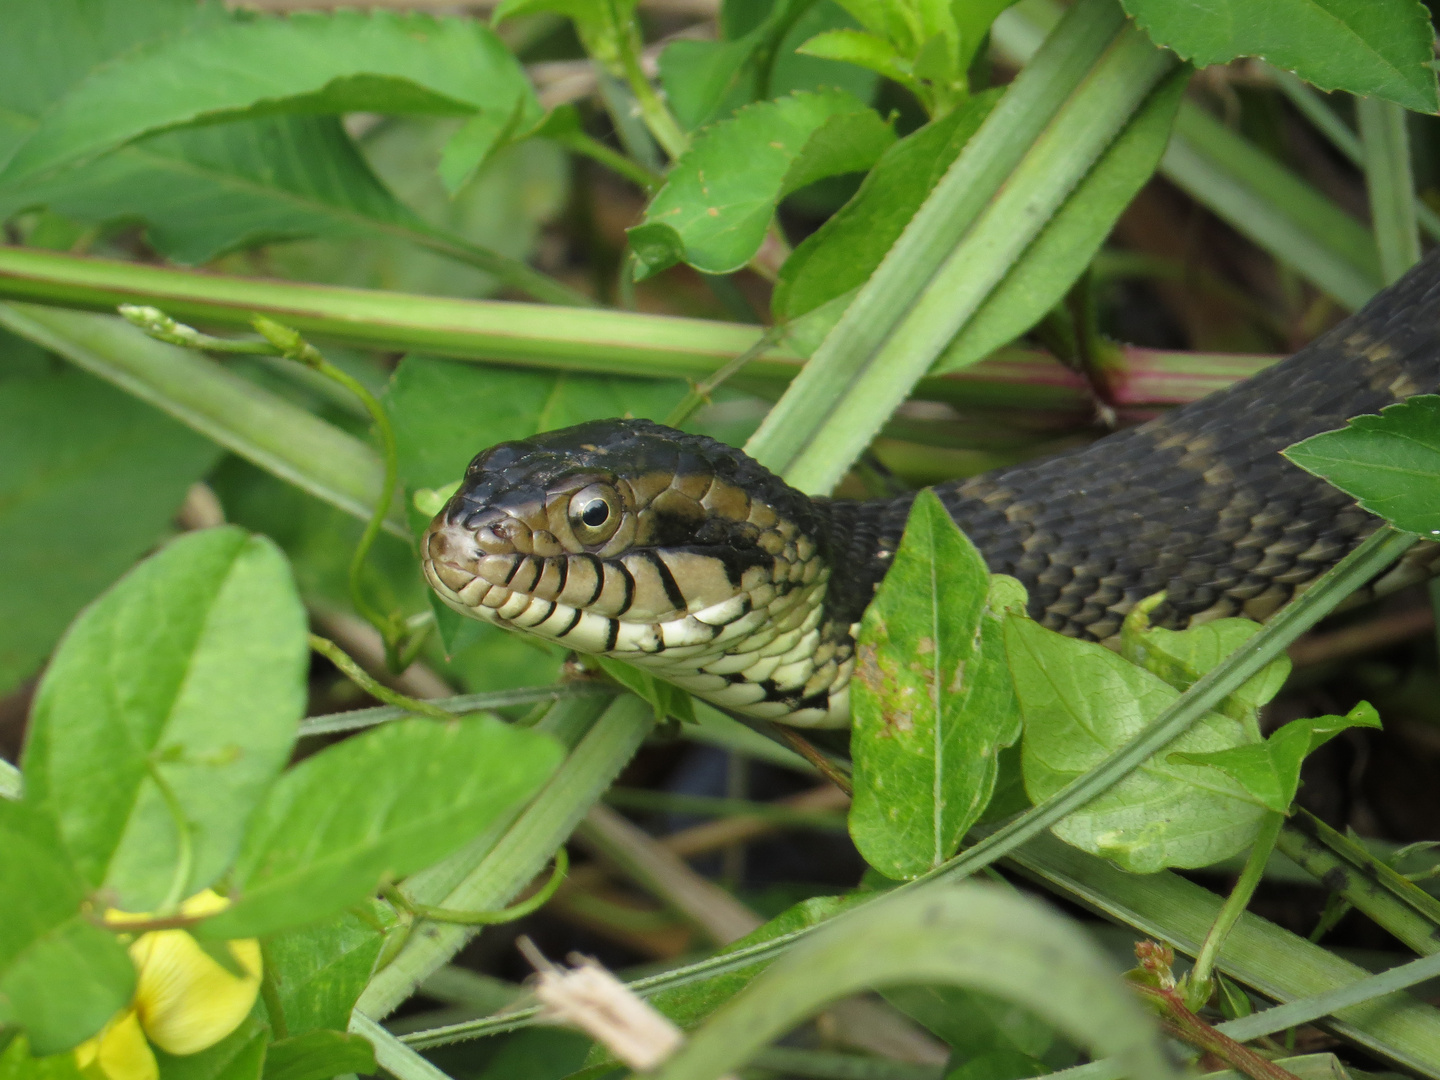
931	698
843	252
346	61
721	194
318	1055
1058	256
862	49
388	802
1080	701
193	668
1390	463
61	976
1372	48
67	439
1270	771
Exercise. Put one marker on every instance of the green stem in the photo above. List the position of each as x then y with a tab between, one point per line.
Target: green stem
700	392
361	678
658	117
270	995
1201	984
184	841
595	150
1386	143
527	906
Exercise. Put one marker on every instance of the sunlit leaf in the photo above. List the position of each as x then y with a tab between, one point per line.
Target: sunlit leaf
720	196
1390	463
318	1055
390	801
1080	701
931	697
189	673
1379	48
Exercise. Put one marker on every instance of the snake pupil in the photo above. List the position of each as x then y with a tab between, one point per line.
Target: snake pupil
595	514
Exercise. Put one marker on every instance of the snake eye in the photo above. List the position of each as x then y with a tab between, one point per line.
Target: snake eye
595	513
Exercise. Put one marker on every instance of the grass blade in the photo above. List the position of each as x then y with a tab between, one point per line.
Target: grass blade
1386	145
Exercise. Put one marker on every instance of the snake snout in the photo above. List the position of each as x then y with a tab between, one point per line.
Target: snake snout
451	554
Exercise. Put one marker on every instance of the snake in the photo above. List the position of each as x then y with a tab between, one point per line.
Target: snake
685	557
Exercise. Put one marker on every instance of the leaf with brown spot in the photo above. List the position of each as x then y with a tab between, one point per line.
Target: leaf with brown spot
931	702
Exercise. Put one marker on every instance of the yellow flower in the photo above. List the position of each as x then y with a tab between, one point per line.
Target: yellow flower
184	1000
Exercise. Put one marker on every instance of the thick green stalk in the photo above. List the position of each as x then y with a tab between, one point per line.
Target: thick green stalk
1386	144
1392	901
261	427
518	855
392	1055
1061	113
1242	185
565	339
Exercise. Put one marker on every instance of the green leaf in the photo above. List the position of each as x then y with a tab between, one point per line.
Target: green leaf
841	254
1390	463
1372	48
68	440
1058	256
318	1055
61	976
320	969
975	1024
1270	771
1080	701
665	698
388	802
931	699
1180	657
346	61
478	138
17	1064
972	935
238	1056
193	669
863	49
718	200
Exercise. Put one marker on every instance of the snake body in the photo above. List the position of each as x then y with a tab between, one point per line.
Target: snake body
683	555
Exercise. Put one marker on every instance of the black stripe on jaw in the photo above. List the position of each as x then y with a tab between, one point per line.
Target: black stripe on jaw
574	622
673	592
599	569
629	587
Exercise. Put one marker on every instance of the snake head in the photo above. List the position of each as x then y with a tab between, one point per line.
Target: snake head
630	539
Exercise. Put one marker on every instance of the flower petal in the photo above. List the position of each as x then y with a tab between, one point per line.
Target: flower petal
186	1001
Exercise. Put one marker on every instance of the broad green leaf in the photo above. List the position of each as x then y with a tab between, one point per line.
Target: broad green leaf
1270	771
61	976
1079	702
665	698
600	26
1373	48
68	440
999	1065
973	935
345	61
1059	255
720	196
863	49
841	254
238	1056
1180	657
445	411
975	1024
318	1055
1390	463
191	669
931	700
388	802
320	969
